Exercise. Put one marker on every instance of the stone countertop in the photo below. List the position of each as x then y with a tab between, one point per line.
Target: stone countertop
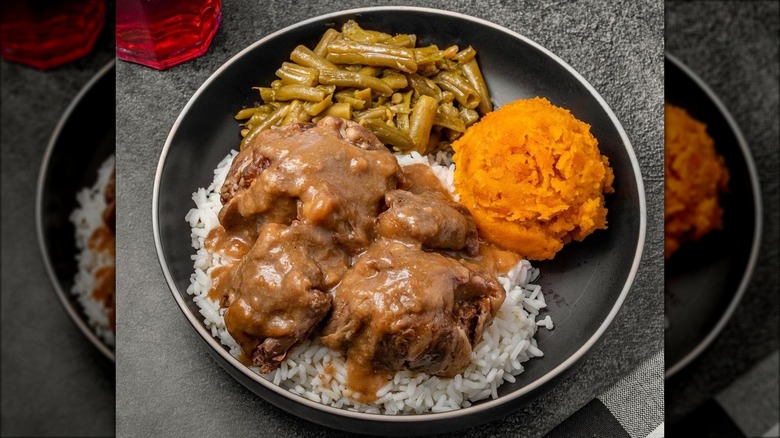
733	47
167	383
54	381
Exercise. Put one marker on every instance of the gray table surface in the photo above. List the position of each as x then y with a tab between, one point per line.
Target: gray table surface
733	47
168	385
54	381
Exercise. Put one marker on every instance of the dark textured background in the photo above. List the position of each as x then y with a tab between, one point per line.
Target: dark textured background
168	385
733	47
54	381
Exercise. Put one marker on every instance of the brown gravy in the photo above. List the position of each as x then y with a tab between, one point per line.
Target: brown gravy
220	279
234	243
365	381
495	259
103	240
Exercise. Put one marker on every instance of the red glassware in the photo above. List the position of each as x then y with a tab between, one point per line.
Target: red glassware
163	33
48	33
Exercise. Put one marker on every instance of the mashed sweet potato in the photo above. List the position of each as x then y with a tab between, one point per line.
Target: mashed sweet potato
694	176
533	178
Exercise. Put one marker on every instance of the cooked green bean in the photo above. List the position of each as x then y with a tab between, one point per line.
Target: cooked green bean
402	40
448	109
344	78
364	94
274	106
469	116
448	121
257	118
371	70
421	122
472	72
428	69
302	92
427	55
245	113
357	104
402	121
301	115
381	100
408	95
450	52
345	92
292	112
271	120
381	55
322	47
465	55
297	74
353	31
307	58
396	81
447	64
328	89
314	108
341	109
447	97
379	112
266	93
388	134
424	86
465	94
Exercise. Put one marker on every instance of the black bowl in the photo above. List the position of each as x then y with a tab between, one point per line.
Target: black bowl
82	141
586	283
704	280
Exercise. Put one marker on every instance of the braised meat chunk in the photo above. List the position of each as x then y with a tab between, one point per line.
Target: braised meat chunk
401	307
424	212
428	219
336	172
236	193
278	292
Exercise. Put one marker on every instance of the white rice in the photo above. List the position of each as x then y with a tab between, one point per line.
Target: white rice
87	218
318	373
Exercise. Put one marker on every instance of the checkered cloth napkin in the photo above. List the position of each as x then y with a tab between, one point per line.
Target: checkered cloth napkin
748	407
633	407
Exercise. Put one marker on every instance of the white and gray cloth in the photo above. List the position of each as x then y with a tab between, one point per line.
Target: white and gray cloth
748	407
633	407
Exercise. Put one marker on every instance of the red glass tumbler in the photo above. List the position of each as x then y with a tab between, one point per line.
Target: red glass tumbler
48	33
163	33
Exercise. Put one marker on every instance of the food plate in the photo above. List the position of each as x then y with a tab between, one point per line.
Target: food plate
705	280
585	284
82	141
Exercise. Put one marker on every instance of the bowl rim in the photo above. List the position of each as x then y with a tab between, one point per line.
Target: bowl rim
758	226
430	416
63	295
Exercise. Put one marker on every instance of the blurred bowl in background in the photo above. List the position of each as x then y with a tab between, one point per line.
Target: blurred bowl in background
704	280
82	141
